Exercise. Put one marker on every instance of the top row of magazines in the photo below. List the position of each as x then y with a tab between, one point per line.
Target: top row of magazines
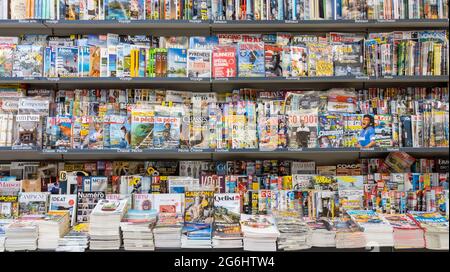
223	9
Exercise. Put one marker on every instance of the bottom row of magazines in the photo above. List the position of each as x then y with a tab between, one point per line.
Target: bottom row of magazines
113	226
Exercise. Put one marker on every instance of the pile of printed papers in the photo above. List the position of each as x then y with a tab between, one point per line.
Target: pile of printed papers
196	235
136	229
348	234
104	224
76	240
322	233
294	232
167	232
435	227
52	227
407	233
260	232
377	231
21	235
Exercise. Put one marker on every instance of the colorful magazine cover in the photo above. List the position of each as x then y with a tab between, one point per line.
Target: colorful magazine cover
331	131
119	131
227	215
28	61
199	207
63	129
33	203
166	132
64	203
9	207
299	61
117	9
320	60
383	130
142	126
177	62
251	59
28	131
224	61
302	128
199	63
67	61
272	60
352	129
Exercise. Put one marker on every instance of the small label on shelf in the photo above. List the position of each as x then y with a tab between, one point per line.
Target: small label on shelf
220	22
295	149
183	150
29	78
362	77
291	21
361	21
197	150
53	78
196	79
195	21
367	149
392	149
51	21
122	150
388	77
137	150
221	78
386	20
61	150
24	21
292	78
222	150
22	148
124	21
125	78
48	151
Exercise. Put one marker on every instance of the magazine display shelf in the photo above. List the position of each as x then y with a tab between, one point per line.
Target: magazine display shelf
226	84
187	26
320	155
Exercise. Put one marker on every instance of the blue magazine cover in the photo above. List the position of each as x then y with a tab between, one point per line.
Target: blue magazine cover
251	60
67	61
177	62
119	130
117	9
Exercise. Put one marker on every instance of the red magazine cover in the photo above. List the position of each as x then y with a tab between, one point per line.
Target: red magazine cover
224	61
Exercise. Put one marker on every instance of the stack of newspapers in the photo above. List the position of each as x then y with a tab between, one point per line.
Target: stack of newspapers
167	232
435	227
294	232
76	240
377	231
104	224
136	229
260	232
196	235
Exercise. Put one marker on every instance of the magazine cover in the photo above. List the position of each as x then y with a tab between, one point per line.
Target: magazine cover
64	203
302	182
351	191
96	139
383	130
348	60
63	129
143	202
199	207
202	42
299	61
261	225
28	131
272	60
251	59
216	182
199	63
117	9
86	202
9	207
302	128
268	133
331	131
227	215
119	132
33	203
352	128
6	59
166	132
169	203
67	61
177	62
320	60
28	61
93	184
224	61
142	125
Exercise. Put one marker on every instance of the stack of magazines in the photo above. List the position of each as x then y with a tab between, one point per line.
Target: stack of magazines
260	232
348	234
76	240
407	234
136	229
322	234
378	232
435	227
196	235
227	231
104	224
294	232
167	232
3	226
21	235
54	226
